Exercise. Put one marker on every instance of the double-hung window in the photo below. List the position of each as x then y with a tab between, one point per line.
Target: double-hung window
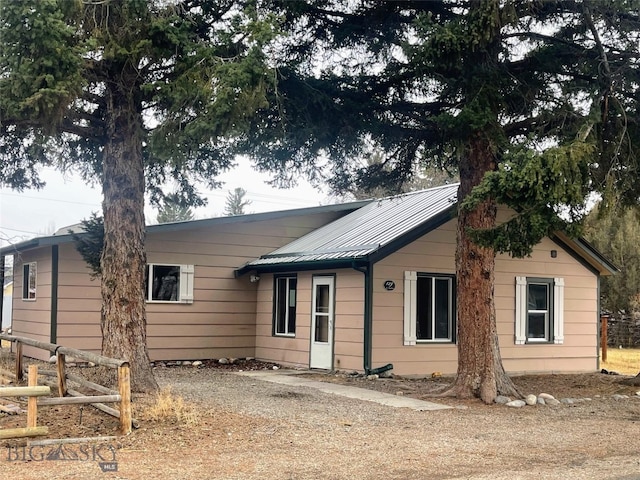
284	309
429	308
539	310
29	273
169	283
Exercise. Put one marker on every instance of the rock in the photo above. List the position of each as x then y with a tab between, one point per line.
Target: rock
551	401
91	364
186	363
248	359
501	399
223	361
197	363
516	403
531	400
541	401
638	393
53	359
372	377
617	396
233	361
400	393
546	396
276	367
387	374
568	401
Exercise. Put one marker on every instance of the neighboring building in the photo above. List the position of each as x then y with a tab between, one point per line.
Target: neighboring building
7	299
350	287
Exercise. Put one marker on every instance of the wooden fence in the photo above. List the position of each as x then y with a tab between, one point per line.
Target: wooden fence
68	396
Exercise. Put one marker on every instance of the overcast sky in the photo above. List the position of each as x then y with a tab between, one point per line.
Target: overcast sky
67	201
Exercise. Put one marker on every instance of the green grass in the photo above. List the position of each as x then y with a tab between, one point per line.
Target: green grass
622	360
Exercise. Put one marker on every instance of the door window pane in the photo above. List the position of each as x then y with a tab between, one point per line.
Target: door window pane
322	298
322	329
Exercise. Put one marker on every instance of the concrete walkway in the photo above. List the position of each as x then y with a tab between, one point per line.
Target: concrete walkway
294	379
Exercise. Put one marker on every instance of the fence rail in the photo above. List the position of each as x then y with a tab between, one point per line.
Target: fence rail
68	396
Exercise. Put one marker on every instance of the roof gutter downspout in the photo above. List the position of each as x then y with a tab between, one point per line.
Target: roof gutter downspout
599	320
53	331
367	270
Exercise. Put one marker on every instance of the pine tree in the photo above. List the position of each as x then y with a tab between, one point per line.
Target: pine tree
171	210
235	202
617	236
533	103
90	242
130	93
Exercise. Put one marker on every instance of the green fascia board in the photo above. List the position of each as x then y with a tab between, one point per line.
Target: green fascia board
301	266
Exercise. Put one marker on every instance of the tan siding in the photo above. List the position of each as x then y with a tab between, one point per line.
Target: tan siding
578	353
349	318
31	318
221	320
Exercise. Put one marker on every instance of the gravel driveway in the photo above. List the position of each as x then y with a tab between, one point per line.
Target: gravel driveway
305	433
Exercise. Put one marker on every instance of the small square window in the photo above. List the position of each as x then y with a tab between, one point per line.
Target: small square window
169	283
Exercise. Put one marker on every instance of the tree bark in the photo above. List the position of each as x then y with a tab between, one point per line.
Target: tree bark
123	260
480	371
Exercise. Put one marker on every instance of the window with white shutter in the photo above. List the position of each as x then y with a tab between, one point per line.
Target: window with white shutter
429	308
539	310
169	283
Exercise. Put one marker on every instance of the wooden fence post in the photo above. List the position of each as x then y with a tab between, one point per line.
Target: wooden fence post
19	375
32	402
62	379
124	388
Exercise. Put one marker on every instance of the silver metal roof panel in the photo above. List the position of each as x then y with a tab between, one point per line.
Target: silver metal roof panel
365	230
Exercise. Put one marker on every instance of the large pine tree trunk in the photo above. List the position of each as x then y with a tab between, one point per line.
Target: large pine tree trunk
123	258
480	370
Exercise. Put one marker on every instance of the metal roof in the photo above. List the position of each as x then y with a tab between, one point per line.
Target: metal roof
365	231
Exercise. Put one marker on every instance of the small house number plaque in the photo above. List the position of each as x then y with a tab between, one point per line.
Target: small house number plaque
389	285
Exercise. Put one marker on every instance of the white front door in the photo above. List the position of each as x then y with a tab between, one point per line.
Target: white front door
321	355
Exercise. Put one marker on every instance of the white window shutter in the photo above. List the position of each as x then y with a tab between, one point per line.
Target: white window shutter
410	294
186	283
558	310
521	310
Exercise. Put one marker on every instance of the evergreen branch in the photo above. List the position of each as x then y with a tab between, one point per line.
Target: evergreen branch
68	126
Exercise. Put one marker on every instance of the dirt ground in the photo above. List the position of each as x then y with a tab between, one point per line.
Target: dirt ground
242	428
